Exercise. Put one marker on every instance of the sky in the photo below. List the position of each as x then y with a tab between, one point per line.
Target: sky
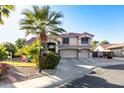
105	22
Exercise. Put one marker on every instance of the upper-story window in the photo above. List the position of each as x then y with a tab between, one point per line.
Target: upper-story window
84	40
65	40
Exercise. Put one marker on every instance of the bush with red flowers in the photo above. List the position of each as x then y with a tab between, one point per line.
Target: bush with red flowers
3	70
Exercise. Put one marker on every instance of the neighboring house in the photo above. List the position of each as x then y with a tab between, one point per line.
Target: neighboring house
101	49
70	45
116	49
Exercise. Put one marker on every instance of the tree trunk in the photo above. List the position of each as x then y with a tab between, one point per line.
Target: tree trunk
43	52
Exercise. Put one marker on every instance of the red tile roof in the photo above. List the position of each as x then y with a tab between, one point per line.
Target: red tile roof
116	46
70	35
74	34
105	45
111	46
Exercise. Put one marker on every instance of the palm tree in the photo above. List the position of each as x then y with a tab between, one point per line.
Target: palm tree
42	21
5	11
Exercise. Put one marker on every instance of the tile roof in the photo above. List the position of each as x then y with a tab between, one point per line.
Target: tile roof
116	46
105	45
111	46
70	35
74	34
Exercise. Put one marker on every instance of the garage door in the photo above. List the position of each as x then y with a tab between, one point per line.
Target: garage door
84	53
69	53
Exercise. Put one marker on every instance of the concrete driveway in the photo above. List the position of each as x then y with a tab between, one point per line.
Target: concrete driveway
105	77
108	73
70	69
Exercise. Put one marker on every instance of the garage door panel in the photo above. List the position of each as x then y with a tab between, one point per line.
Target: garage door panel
84	53
69	53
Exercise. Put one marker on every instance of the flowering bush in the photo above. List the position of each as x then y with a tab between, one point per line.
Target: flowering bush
3	69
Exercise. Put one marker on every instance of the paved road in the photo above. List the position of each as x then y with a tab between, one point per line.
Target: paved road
105	77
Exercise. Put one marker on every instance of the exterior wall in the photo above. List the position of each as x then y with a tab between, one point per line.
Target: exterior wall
123	51
73	41
101	49
60	41
117	52
76	41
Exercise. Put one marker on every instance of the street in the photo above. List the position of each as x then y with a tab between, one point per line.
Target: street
105	77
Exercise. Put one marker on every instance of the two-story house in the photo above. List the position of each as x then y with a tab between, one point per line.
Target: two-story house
75	45
70	45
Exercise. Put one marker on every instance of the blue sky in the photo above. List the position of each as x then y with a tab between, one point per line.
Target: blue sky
105	22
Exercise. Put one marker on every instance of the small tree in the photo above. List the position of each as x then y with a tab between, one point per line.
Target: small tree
94	43
20	42
9	47
32	51
3	52
104	42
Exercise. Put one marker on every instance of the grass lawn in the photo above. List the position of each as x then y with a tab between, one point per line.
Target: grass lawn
21	64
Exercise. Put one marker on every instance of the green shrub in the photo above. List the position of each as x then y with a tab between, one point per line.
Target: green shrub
50	61
3	53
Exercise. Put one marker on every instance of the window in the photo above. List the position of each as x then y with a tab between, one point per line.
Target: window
84	40
65	40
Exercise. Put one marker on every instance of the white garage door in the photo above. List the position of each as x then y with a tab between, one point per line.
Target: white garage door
84	53
69	53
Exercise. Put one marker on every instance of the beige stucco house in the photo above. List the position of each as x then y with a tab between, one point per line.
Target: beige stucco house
101	49
116	49
70	45
75	45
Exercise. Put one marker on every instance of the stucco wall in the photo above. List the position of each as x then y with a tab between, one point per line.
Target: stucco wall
117	52
99	48
73	41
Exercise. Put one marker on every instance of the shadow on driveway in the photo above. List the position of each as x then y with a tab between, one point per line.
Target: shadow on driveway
90	82
115	67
